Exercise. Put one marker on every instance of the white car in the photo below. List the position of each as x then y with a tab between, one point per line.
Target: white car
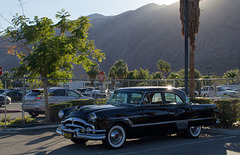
222	91
96	92
209	91
56	95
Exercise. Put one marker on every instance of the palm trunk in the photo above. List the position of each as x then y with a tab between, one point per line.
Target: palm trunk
193	25
191	73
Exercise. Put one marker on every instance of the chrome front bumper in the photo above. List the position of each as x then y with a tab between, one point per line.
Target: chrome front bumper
84	131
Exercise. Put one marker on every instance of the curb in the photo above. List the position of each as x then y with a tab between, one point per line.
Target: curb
10	111
222	131
27	129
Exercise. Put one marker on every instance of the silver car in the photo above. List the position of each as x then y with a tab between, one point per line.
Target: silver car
57	95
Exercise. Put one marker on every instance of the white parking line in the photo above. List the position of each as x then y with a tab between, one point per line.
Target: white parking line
172	146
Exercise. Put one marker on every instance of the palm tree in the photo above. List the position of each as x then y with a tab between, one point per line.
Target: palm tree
121	69
93	72
164	67
193	26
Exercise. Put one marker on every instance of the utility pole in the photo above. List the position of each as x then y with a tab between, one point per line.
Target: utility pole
186	46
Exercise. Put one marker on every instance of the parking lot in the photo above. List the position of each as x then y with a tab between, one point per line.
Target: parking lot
14	110
47	142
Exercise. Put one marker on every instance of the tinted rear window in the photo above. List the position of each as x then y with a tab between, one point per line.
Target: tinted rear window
34	93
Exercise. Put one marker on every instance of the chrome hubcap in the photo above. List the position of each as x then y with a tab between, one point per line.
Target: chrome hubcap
195	130
116	136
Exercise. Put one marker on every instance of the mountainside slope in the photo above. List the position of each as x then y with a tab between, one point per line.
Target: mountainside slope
142	37
153	32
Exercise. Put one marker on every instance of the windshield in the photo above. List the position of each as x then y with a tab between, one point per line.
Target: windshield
126	98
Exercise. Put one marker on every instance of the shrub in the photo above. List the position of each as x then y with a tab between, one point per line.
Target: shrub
200	100
8	118
18	121
229	111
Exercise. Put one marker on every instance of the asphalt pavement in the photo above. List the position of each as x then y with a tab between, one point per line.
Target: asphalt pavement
54	126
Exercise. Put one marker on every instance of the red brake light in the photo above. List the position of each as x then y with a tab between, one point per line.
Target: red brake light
39	98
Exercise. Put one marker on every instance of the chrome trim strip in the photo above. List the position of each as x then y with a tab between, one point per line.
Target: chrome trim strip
168	122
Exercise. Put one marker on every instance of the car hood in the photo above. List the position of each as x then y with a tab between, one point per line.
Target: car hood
84	111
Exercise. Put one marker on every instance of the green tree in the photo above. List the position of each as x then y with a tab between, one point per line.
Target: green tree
93	72
48	55
197	74
157	75
119	70
7	77
232	74
164	67
143	74
1	85
193	26
174	75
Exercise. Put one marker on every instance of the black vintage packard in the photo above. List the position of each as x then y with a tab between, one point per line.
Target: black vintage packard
136	111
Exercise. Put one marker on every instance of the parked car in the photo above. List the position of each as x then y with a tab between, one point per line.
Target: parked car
220	91
183	89
15	95
96	92
134	112
34	94
56	95
81	90
2	100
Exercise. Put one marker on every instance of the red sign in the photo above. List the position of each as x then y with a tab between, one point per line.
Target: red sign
0	70
101	76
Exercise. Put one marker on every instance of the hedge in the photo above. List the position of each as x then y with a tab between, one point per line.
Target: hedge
229	111
201	100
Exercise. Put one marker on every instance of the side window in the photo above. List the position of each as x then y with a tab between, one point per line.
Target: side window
59	92
135	98
72	93
152	98
172	98
157	98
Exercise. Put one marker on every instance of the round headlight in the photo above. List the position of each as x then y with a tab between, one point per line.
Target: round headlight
61	114
92	118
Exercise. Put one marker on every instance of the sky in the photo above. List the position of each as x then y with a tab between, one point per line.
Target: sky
77	8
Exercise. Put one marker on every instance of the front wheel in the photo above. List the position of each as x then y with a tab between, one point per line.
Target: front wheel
194	131
115	137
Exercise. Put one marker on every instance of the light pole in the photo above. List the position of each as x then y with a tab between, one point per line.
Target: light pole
186	46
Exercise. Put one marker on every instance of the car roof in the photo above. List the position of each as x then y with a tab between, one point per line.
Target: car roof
147	88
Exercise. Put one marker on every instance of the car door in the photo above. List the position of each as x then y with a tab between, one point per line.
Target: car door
57	96
72	95
155	112
178	111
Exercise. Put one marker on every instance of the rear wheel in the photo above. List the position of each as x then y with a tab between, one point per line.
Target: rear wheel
194	131
33	114
115	137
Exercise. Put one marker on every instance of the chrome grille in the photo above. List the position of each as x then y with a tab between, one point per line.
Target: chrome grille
76	123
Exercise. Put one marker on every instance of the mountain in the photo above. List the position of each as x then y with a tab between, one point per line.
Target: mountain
142	37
